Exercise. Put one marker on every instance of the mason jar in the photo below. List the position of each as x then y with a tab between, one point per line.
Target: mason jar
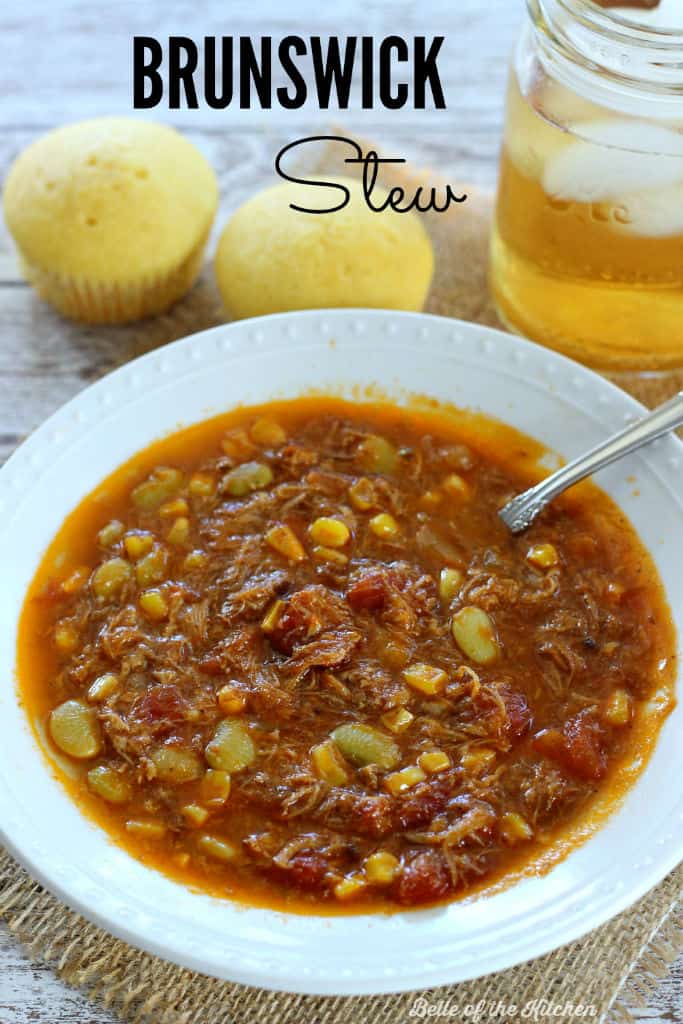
587	246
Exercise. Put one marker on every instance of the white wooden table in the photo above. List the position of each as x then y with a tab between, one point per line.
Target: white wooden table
70	60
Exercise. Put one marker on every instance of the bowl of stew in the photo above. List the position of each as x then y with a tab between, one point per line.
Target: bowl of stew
290	706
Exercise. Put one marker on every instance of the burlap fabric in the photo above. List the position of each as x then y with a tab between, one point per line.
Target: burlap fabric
612	970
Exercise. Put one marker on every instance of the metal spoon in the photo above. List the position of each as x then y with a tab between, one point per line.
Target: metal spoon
520	512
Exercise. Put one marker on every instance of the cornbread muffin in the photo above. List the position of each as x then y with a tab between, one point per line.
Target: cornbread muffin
110	217
272	258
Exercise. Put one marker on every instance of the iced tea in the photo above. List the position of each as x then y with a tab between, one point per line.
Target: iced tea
587	249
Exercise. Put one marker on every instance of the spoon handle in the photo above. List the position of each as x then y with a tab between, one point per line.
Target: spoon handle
519	513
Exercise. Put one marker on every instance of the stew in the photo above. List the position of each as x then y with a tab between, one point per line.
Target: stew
292	656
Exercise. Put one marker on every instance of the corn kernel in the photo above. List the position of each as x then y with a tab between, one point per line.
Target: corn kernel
218	849
194	560
384	526
478	760
103	687
202	485
230	700
450	582
283	540
137	545
180	531
430	500
323	554
660	703
272	616
362	494
214	789
146	829
618	709
110	533
173	508
433	761
66	638
350	887
194	815
456	487
329	764
426	679
395	655
514	828
110	577
154	605
543	556
267	432
405	778
73	583
398	720
329	532
381	868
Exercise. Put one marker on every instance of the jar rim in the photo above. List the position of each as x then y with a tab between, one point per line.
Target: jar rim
627	53
618	25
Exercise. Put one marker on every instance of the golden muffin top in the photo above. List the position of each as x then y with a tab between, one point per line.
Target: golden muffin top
110	199
271	257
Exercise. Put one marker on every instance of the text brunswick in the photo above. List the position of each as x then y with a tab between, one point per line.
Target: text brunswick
393	72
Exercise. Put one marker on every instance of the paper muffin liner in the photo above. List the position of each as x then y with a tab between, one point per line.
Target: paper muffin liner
115	302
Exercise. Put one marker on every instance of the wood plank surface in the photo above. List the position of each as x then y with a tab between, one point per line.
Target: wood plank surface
65	61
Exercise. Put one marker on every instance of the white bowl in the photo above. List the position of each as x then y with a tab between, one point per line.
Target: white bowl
543	394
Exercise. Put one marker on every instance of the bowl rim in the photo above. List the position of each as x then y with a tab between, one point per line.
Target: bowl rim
243	333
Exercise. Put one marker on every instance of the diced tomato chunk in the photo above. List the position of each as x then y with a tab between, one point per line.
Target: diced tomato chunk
577	748
369	593
210	665
292	628
519	713
308	870
305	871
424	879
305	615
550	743
371	815
418	806
162	707
582	735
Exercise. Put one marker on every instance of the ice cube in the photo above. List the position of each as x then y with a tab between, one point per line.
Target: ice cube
655	213
530	140
610	159
565	107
